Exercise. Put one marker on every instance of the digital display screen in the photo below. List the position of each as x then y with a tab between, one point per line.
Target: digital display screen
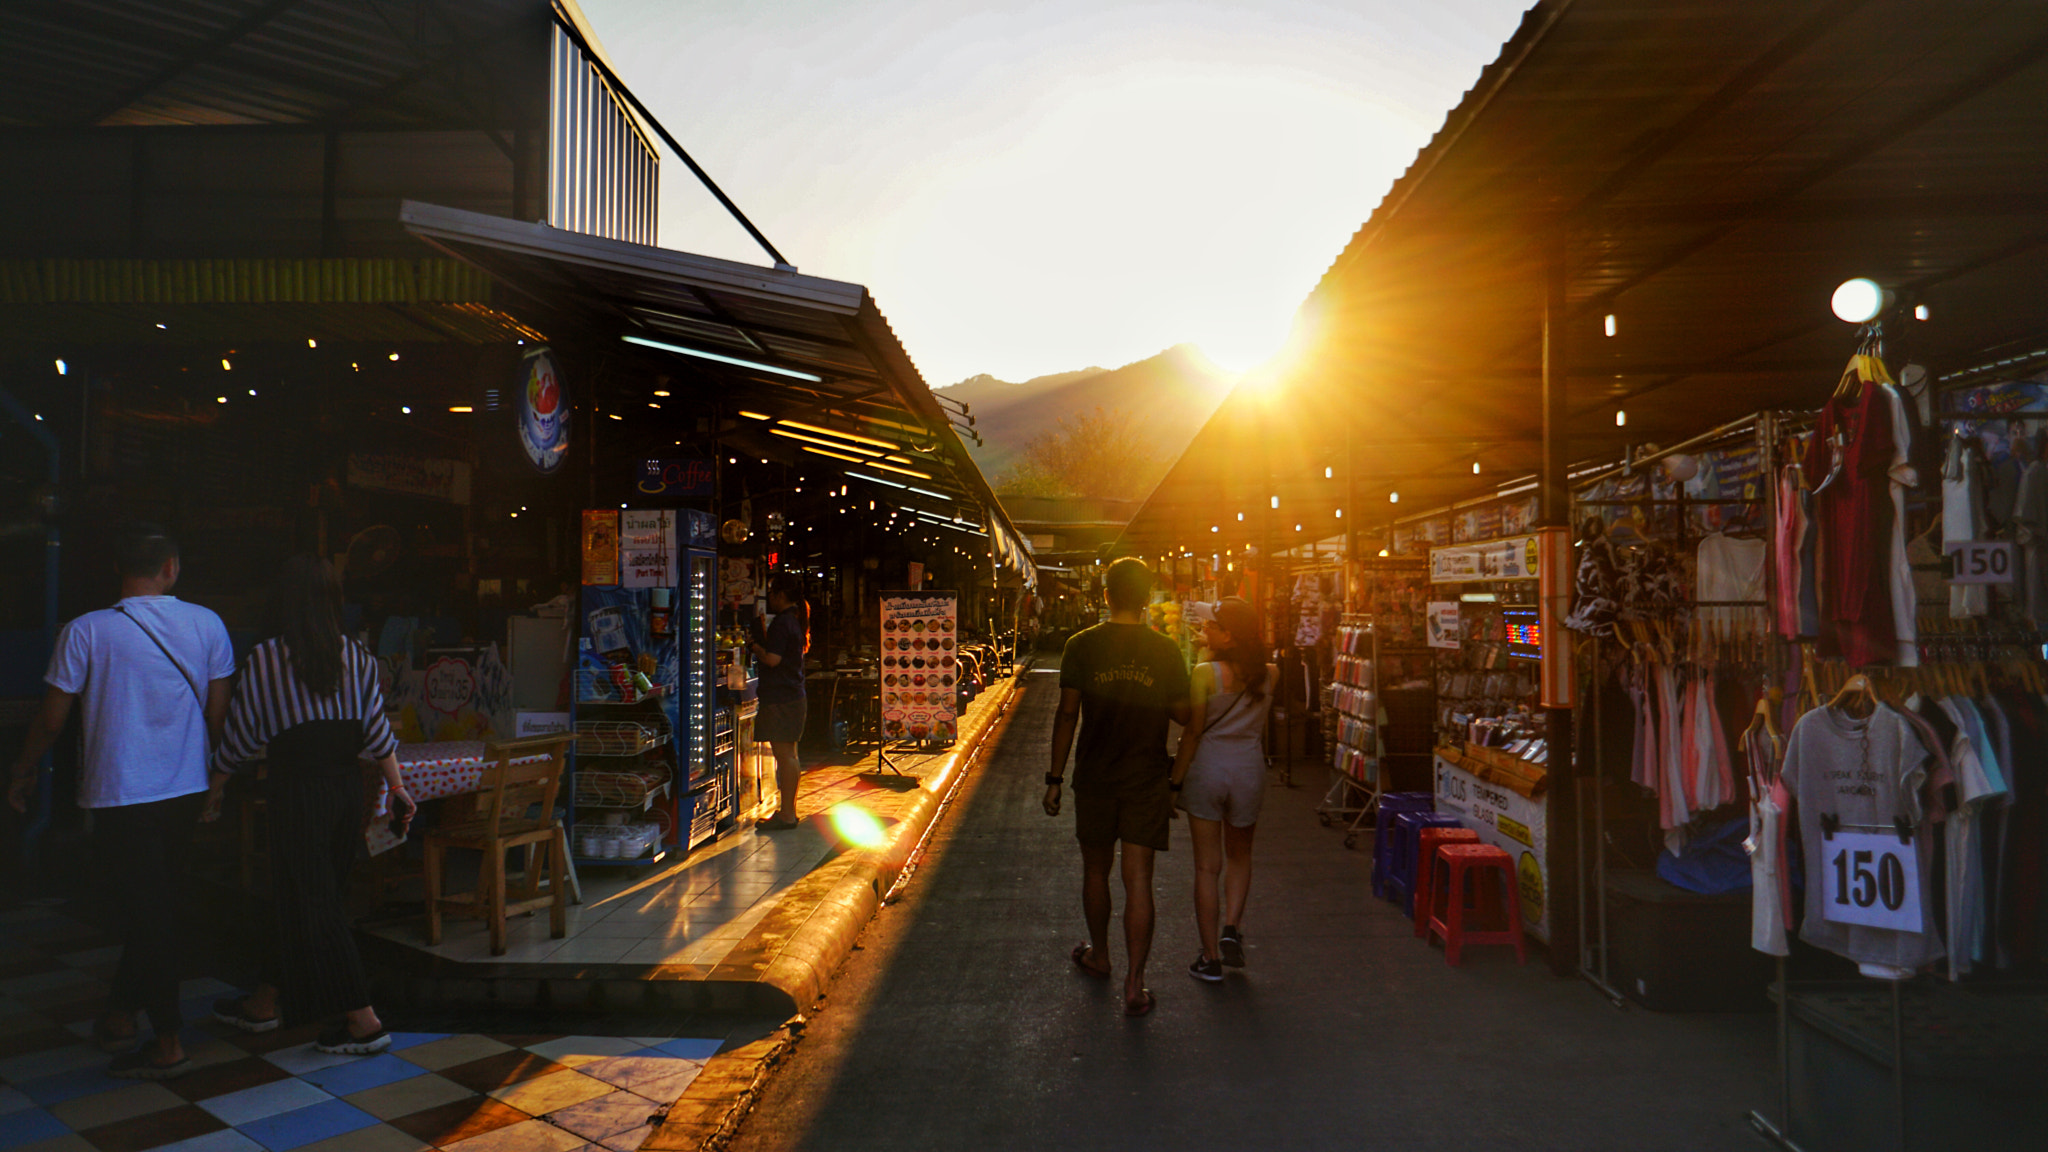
1522	632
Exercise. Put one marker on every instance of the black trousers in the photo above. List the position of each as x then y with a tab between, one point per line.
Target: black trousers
315	800
143	849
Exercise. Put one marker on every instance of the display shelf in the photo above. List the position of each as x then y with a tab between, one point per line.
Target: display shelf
632	788
613	685
617	737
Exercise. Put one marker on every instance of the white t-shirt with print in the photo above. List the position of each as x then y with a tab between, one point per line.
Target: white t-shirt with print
145	729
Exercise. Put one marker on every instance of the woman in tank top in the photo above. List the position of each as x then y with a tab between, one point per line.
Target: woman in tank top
1219	777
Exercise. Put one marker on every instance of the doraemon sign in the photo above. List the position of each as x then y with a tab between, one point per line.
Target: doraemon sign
543	408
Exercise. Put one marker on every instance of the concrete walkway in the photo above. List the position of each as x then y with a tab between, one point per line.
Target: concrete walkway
961	1023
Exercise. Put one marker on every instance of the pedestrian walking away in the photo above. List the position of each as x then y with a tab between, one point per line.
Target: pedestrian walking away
311	709
153	673
780	646
1219	776
1122	683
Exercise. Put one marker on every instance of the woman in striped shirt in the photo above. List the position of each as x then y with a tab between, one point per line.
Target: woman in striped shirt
309	705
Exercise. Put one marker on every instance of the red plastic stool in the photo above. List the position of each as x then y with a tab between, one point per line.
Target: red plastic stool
1427	842
1450	888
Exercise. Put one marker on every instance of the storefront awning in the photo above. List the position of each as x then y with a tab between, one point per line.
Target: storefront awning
1705	174
807	368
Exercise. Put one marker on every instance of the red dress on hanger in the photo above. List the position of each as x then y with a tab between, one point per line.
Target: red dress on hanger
1854	512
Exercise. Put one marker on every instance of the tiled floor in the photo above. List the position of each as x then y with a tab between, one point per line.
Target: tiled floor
464	1092
692	912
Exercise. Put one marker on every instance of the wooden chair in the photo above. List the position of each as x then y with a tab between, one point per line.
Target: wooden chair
501	824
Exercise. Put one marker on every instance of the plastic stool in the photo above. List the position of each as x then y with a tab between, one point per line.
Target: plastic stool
1401	879
1427	841
1456	865
1391	805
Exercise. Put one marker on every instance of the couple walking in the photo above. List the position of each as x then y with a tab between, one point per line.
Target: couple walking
166	726
1121	682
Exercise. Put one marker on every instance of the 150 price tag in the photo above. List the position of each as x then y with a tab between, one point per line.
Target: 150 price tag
1982	561
1870	879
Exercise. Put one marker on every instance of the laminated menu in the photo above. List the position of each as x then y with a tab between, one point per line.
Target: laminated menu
920	666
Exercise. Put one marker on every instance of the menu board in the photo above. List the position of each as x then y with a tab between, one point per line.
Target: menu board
920	666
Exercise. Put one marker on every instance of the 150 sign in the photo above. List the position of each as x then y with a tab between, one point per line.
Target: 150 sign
1869	878
1981	561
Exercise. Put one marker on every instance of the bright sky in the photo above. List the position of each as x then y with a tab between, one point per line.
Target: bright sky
1035	187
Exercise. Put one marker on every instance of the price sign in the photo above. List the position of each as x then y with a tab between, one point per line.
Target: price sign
1982	561
1869	878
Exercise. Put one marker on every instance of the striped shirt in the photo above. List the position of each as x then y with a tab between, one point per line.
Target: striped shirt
269	699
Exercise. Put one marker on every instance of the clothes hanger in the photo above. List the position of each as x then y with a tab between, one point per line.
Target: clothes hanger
1858	687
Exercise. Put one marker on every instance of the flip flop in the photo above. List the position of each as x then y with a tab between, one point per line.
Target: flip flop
1143	1005
1080	955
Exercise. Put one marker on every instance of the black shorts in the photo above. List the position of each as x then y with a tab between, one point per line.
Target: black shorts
1141	817
781	722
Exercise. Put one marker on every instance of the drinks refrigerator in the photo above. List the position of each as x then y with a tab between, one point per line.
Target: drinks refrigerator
650	756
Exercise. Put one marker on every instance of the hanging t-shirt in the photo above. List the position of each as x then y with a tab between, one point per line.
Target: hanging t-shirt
1731	568
1862	772
1962	518
1977	785
1770	891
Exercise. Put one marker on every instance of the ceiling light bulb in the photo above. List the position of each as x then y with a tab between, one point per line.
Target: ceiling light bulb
225	366
220	399
661	392
63	369
1620	418
1859	301
1393	497
1475	467
394	355
1610	323
1920	312
312	343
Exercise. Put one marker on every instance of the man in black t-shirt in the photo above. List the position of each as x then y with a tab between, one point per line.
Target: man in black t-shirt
1122	682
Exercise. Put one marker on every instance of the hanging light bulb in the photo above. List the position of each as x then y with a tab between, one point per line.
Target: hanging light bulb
1620	418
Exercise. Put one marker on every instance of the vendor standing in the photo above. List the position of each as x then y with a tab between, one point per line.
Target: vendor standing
780	647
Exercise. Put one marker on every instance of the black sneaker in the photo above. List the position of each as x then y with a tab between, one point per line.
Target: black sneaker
1207	970
141	1065
232	1011
1232	946
341	1042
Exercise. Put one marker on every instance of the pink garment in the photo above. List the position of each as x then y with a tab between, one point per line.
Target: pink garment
1786	532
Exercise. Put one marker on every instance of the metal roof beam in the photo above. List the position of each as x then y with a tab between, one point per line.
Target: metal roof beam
179	66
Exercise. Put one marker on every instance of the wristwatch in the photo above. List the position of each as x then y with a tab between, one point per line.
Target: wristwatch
1172	786
1054	781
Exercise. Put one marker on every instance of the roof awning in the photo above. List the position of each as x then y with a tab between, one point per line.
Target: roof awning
810	366
1704	174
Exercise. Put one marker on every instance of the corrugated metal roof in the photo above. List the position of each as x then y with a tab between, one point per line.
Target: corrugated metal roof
76	63
1711	169
778	321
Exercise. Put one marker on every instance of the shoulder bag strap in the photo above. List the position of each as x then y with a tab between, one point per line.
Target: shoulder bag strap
197	692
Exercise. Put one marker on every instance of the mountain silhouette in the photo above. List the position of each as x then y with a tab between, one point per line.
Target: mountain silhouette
1168	396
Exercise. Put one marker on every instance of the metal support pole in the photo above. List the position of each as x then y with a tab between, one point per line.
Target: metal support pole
1554	510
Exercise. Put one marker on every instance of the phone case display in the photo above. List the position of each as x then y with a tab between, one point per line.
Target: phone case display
644	686
920	666
1370	653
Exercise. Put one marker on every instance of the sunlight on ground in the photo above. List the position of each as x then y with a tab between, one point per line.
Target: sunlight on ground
858	826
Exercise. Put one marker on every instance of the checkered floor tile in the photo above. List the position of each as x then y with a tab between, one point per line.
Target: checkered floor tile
464	1092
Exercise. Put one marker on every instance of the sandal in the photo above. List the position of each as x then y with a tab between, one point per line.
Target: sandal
109	1041
1142	1005
235	1012
141	1065
1080	955
778	825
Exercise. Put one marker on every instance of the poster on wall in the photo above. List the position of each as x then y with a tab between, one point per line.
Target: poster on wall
543	411
1443	623
600	546
647	548
1510	821
736	583
920	666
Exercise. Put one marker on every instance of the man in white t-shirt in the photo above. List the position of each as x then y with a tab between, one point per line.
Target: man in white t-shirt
154	675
